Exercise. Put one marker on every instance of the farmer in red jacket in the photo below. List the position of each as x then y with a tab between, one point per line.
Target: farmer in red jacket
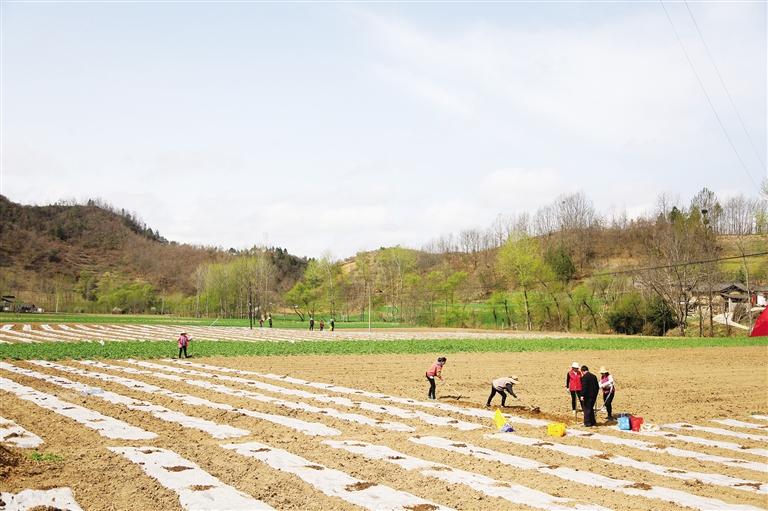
573	384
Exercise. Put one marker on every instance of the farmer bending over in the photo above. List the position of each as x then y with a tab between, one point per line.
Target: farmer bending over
435	370
499	385
183	343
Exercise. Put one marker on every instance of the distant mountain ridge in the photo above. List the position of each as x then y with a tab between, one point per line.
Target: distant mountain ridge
41	246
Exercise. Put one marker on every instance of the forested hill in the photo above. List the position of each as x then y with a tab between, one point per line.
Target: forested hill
566	261
71	246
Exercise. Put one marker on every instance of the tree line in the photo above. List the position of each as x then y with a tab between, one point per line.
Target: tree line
553	270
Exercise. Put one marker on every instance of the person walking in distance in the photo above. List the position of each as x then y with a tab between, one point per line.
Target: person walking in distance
269	320
311	323
589	390
435	371
499	385
573	384
609	389
183	343
322	325
333	325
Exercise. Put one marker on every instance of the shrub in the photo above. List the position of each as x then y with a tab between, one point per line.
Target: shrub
627	315
659	318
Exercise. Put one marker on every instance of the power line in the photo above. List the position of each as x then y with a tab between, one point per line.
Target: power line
675	265
706	95
722	82
639	270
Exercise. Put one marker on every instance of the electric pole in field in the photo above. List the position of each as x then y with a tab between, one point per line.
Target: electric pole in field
250	309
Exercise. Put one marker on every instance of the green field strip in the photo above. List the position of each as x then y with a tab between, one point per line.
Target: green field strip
159	349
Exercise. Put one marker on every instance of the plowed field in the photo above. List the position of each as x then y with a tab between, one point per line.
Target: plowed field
349	432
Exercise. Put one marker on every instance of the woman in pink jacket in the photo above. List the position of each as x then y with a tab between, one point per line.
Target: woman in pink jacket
436	370
183	343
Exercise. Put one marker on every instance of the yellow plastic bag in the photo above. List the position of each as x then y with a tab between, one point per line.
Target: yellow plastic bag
556	429
499	419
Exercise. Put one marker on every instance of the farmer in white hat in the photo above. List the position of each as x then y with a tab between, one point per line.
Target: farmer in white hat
573	384
499	385
609	389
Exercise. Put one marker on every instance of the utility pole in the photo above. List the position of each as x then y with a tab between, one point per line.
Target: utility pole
709	253
369	309
250	309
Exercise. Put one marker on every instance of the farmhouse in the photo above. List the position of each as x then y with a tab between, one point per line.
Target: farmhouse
725	295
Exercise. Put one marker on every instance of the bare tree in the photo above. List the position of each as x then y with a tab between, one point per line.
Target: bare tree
673	249
545	221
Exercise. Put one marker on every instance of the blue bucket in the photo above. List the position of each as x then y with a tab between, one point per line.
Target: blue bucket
624	423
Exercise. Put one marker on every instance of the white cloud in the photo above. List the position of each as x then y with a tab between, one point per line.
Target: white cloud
451	101
390	127
599	84
521	189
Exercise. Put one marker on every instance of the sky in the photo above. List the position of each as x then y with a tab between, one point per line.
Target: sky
330	128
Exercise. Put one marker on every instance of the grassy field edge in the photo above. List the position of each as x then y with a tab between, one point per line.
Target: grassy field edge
159	349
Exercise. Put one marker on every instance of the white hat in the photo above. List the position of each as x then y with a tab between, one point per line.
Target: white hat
514	380
603	370
575	365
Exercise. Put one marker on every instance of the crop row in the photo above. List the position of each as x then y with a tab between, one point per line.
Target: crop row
155	349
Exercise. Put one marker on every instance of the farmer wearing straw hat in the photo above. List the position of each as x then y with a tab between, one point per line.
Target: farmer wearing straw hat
609	389
499	385
183	343
573	384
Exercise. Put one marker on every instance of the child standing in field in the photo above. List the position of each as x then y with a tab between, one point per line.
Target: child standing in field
436	370
573	384
183	343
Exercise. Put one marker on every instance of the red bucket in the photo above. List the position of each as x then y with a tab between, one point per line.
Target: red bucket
635	423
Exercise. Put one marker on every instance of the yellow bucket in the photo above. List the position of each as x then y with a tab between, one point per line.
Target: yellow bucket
556	429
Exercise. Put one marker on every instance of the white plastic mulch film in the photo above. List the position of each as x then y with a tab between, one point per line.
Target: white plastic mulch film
433	420
197	489
511	492
60	499
625	461
106	426
15	435
220	431
334	483
632	488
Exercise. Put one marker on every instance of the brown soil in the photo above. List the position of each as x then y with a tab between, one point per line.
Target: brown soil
8	460
422	507
177	469
362	485
661	385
